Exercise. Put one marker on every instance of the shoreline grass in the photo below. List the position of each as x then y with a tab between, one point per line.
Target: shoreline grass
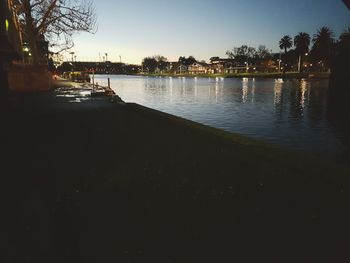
110	182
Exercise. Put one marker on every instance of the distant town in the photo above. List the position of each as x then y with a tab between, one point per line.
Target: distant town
295	56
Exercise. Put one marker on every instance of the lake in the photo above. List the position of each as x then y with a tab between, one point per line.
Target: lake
293	113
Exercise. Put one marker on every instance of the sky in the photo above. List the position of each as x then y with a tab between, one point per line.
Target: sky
135	29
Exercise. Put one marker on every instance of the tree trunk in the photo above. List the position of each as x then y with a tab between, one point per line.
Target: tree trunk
31	33
284	67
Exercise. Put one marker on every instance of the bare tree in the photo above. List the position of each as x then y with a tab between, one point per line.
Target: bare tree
57	20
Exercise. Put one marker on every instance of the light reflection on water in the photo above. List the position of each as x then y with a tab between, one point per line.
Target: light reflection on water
287	112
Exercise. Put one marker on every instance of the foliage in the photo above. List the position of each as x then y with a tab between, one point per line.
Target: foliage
286	43
187	61
345	35
56	20
149	64
323	48
155	64
161	62
242	53
262	52
344	39
302	43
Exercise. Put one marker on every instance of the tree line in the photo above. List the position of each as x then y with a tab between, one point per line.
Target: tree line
157	64
319	50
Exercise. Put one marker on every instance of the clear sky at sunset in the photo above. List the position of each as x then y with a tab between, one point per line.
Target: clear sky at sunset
202	28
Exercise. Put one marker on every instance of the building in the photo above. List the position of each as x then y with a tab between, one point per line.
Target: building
227	66
176	68
10	40
198	68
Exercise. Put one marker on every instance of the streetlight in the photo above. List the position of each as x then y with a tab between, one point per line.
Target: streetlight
299	64
72	54
279	62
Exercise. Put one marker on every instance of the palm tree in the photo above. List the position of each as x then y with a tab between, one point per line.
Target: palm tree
345	36
286	43
302	43
324	36
323	48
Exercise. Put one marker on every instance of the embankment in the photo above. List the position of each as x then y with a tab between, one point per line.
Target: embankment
103	182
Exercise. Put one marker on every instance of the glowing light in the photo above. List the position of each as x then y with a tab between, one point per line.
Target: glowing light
7	25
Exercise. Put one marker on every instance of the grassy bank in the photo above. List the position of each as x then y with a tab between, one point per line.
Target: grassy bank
101	182
288	75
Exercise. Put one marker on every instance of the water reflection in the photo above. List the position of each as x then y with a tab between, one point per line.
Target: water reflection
290	112
245	90
278	93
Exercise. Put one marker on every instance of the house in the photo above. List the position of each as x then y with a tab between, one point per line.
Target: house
221	65
176	68
198	68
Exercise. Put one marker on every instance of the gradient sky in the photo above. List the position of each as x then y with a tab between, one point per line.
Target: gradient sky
135	29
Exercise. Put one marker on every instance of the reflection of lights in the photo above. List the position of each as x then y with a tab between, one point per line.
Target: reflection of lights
278	91
171	88
245	91
245	79
195	87
304	87
253	92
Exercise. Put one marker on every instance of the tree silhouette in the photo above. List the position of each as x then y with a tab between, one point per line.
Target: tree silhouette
285	43
149	64
242	53
161	62
187	61
302	43
344	39
262	52
323	48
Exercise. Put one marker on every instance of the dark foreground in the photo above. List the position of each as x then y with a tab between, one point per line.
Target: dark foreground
101	182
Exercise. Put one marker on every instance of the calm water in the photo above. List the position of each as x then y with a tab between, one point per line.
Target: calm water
291	112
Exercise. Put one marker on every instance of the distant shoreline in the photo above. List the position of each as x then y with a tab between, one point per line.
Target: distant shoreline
289	75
